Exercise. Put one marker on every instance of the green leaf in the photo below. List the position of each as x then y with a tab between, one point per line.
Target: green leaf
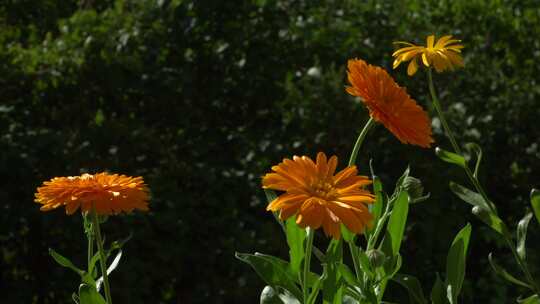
89	295
378	206
476	149
295	239
437	292
65	262
348	275
110	269
396	225
413	286
456	261
491	220
274	272
469	196
480	208
534	299
522	235
451	157
332	285
535	203
505	274
317	286
347	235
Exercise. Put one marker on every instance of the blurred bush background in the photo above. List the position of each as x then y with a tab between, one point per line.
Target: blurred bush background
202	97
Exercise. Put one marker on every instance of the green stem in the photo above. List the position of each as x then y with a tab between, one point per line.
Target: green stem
452	138
102	259
90	248
89	236
360	140
307	262
354	256
476	183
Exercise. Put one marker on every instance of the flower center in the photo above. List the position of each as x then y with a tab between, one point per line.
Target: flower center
323	189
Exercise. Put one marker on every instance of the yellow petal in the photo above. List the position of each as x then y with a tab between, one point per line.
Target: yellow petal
425	59
412	68
430	40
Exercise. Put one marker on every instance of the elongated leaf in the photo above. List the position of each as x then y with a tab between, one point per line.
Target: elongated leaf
396	225
451	157
273	271
476	149
295	239
437	292
491	220
469	196
89	295
505	274
534	299
317	286
535	203
348	275
456	261
401	179
377	208
413	286
65	262
522	235
110	269
332	286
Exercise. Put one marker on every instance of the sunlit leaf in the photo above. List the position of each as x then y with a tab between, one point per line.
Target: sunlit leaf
521	234
396	225
89	295
456	261
451	157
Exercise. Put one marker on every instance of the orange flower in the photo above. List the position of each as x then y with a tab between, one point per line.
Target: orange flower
318	196
389	104
108	193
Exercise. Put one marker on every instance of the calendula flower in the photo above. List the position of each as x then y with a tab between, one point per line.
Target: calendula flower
389	104
318	197
107	193
443	55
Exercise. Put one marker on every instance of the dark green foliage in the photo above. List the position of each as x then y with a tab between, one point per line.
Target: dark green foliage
201	97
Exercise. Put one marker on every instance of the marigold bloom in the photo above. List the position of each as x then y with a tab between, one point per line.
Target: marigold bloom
108	193
318	196
389	104
443	55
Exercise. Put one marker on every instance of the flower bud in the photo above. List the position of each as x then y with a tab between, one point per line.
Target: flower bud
413	186
376	257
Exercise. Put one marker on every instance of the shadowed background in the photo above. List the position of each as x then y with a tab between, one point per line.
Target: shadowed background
202	97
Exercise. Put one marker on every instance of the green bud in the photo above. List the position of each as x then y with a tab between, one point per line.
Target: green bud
376	257
413	186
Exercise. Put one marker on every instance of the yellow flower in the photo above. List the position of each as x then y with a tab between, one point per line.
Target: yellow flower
389	104
443	55
108	193
318	196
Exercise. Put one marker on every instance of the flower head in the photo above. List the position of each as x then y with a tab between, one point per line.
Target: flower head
318	196
389	104
107	193
443	55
